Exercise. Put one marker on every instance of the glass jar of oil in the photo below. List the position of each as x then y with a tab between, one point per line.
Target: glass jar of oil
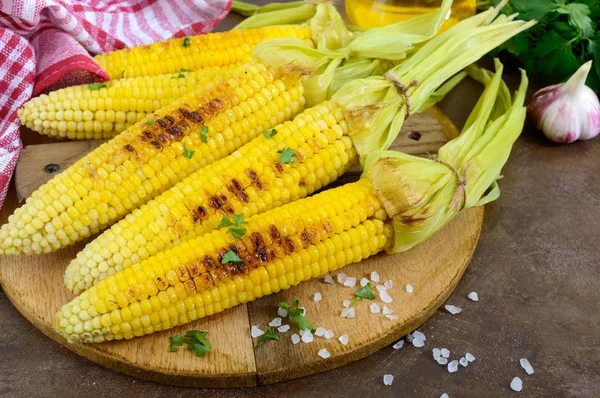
372	13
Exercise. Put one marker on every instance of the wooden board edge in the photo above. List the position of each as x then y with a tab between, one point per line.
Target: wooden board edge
383	341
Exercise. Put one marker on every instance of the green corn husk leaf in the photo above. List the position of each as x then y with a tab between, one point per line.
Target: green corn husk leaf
293	13
328	68
423	195
376	107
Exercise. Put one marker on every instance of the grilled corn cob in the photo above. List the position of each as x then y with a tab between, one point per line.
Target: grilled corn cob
249	181
233	47
283	247
150	157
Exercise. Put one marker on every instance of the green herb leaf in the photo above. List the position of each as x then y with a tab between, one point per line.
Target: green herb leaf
225	222
122	73
184	70
270	133
232	258
149	121
187	153
176	341
237	232
186	42
96	86
287	156
538	9
179	76
578	17
269	335
296	315
195	340
238	219
365	292
204	134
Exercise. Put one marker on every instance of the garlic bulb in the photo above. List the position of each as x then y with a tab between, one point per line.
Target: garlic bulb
567	112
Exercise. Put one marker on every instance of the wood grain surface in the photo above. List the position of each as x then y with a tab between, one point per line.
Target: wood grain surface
35	286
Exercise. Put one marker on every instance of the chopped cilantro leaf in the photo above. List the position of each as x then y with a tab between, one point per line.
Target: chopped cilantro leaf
204	134
96	86
269	335
184	70
176	341
231	257
123	73
179	76
187	153
194	339
364	293
270	133
296	315
186	42
149	121
237	232
236	229
287	156
225	222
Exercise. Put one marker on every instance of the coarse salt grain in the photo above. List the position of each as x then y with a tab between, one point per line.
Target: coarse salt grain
328	279
453	309
392	317
256	332
526	365
380	288
473	296
375	308
350	282
444	395
386	310
303	331
385	297
317	297
388	284
363	282
281	312
399	344
346	303
348	313
307	337
453	366
295	338
320	332
463	361
343	339
442	361
469	357
323	353
437	353
445	352
283	328
388	380
375	277
418	335
329	334
342	277
409	337
516	384
417	342
276	322
409	288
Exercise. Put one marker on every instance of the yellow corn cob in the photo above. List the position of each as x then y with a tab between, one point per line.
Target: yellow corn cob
247	182
209	50
101	111
281	248
148	158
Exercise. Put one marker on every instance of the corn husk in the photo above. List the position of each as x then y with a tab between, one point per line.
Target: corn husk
296	12
423	195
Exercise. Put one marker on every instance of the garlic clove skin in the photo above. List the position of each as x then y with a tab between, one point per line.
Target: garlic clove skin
567	112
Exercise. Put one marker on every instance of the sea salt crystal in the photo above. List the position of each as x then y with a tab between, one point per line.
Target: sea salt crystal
303	331
323	353
375	277
453	366
409	337
418	335
346	303
445	352
320	332
380	288
516	384
328	279
437	353
342	277
385	297
276	322
256	332
418	342
363	282
409	288
392	317
375	308
418	339
399	344
329	334
388	284
343	339
526	365
444	395
307	337
388	380
348	313
281	312
317	297
442	361
386	310
295	338
283	328
350	282
463	361
469	357
473	296
453	309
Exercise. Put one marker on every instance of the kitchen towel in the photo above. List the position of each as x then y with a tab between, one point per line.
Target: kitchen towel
45	45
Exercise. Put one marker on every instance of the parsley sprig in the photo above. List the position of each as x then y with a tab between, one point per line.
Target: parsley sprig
204	134
231	258
269	335
187	153
236	229
195	340
96	86
296	315
364	293
186	42
287	155
270	133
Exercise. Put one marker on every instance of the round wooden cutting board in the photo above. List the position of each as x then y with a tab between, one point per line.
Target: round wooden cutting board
34	284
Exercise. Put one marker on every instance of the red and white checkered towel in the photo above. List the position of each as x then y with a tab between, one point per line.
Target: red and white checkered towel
44	46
